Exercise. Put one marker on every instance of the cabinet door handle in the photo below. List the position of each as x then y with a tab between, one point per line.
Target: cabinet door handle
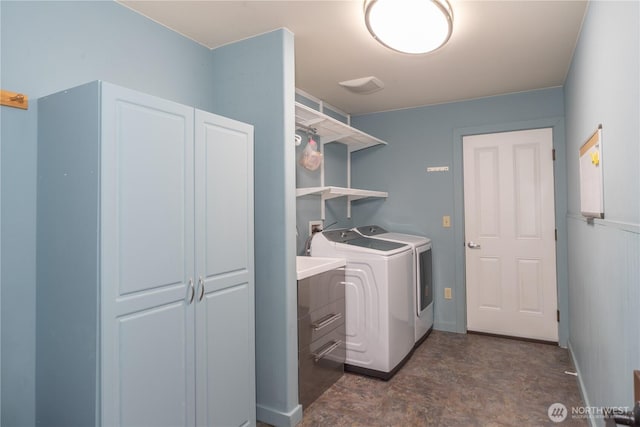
201	284
326	321
325	350
192	289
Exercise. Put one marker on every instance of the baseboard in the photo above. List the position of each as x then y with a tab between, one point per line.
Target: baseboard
581	387
278	418
447	327
422	339
510	337
385	376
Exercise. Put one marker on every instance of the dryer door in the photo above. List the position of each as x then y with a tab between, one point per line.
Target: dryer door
424	278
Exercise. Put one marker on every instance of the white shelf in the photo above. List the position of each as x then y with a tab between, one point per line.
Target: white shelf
332	130
328	130
332	192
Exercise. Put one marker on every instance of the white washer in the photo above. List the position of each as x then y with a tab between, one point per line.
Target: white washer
379	299
422	276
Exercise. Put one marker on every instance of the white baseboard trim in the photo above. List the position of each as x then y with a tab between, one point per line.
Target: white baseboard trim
583	391
279	418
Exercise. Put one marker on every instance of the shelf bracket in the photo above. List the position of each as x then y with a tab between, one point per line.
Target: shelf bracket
14	99
332	138
307	128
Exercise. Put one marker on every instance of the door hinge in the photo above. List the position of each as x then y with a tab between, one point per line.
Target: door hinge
553	154
558	315
556	234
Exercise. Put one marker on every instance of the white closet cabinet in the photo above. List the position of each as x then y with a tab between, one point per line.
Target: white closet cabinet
145	287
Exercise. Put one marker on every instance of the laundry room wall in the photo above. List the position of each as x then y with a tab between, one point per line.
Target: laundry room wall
264	96
431	136
46	47
53	45
603	87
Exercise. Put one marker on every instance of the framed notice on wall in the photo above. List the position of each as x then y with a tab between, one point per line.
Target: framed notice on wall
591	186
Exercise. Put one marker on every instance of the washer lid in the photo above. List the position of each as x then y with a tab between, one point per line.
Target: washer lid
381	233
341	235
351	237
406	238
371	230
376	244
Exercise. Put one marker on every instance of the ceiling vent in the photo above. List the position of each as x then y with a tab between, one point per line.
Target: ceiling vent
363	85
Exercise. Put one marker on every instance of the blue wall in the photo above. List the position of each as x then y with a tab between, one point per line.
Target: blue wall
47	47
71	43
603	87
264	96
432	136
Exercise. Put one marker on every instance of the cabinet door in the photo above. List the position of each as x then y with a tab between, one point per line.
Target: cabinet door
225	359
147	241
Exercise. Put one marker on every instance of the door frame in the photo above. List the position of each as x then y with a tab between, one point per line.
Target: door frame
527	210
560	190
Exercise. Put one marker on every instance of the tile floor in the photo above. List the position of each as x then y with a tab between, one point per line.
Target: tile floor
457	380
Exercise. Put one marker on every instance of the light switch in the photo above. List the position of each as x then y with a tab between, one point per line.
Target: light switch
447	293
446	221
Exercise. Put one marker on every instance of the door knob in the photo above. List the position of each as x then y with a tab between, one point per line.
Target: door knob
472	245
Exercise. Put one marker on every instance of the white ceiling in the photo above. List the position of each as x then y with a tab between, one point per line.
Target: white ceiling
497	47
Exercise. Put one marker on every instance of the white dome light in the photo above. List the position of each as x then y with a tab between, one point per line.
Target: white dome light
409	26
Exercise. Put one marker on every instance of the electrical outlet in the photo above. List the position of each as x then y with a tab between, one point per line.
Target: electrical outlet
446	221
315	226
447	293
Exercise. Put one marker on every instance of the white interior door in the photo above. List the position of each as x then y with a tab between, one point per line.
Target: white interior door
510	234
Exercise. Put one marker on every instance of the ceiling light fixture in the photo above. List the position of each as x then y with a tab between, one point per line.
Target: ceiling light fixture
409	26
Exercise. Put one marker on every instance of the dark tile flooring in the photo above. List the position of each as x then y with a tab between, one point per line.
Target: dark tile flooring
457	380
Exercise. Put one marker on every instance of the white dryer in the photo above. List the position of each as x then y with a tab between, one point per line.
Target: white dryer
422	275
379	299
